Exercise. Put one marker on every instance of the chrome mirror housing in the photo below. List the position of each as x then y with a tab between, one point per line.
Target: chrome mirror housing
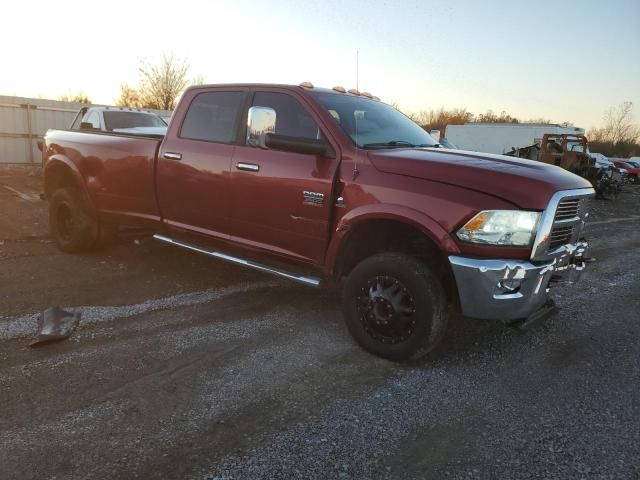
260	121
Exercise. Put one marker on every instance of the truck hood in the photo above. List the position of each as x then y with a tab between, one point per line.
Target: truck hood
527	184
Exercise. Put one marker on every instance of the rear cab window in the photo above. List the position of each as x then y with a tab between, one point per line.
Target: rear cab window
213	117
124	119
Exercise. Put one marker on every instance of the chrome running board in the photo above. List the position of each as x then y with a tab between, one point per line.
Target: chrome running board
313	282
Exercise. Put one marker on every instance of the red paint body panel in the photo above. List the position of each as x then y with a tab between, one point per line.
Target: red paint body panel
630	169
268	210
527	184
194	192
204	193
117	170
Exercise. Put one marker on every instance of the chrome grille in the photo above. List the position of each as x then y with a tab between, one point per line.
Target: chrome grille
567	222
561	223
568	209
560	236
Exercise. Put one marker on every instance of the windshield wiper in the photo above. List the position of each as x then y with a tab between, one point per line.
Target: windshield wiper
391	144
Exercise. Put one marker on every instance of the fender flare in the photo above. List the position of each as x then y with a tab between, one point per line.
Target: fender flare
57	162
423	222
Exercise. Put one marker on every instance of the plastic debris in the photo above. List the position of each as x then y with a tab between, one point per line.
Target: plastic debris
55	324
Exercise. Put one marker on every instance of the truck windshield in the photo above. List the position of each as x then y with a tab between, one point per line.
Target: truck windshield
114	120
372	124
576	147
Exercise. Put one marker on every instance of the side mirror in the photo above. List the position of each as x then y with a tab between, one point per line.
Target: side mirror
435	134
307	146
260	121
86	126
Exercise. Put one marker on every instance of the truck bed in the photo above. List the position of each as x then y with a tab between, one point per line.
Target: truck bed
118	169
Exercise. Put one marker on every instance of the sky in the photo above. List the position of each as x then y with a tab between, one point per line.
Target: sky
560	60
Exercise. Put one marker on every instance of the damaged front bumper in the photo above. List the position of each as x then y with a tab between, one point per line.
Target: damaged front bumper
511	290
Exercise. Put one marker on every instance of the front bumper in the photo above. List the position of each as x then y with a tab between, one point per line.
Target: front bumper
511	290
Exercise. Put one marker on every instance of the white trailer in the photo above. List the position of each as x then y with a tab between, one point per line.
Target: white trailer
502	138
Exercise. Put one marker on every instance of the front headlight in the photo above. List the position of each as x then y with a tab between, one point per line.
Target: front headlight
501	227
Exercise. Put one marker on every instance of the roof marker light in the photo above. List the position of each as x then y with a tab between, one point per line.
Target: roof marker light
353	91
340	89
306	85
377	99
367	94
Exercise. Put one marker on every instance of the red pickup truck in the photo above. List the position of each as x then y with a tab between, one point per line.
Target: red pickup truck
323	185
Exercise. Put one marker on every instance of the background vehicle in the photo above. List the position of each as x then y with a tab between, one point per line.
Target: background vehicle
120	120
608	177
571	152
632	169
447	144
501	138
322	186
444	141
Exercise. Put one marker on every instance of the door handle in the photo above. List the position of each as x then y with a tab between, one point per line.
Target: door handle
172	156
249	167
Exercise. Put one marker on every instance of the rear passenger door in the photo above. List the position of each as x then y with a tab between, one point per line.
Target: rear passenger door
194	162
281	201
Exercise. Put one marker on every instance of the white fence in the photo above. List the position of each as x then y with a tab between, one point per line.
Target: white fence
25	120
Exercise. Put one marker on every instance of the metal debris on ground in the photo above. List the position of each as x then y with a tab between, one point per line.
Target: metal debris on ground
55	324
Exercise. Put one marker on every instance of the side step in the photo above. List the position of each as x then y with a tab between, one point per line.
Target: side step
310	281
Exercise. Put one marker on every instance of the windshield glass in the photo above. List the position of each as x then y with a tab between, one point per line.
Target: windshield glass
371	124
447	144
577	147
121	119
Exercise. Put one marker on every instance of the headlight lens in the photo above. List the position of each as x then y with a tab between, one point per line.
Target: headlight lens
501	227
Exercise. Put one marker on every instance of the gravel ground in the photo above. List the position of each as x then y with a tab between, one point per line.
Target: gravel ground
183	367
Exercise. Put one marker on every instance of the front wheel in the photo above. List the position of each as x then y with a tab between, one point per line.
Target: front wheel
395	307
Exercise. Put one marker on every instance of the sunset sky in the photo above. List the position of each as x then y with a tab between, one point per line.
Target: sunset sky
566	61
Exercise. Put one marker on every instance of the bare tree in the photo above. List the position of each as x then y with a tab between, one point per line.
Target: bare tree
79	97
618	126
198	80
439	119
161	84
129	97
540	120
490	117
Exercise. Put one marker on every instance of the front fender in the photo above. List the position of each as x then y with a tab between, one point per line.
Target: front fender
381	211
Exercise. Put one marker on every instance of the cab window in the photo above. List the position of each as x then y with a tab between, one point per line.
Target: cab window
212	117
291	118
94	120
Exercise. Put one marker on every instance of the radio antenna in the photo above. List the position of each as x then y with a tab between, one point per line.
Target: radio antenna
355	161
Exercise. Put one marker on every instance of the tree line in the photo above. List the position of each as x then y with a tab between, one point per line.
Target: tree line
618	136
160	85
438	119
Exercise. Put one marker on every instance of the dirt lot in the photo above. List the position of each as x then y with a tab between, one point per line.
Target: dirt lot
184	367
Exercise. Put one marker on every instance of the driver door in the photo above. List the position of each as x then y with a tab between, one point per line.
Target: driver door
281	201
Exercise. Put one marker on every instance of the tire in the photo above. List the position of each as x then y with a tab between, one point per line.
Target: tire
72	227
395	307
